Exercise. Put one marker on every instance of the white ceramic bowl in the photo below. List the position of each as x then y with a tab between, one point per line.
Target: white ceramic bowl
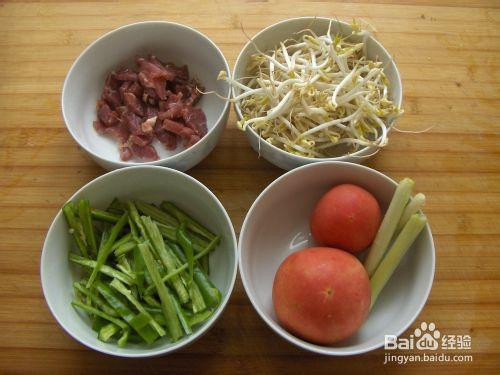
268	39
277	224
152	184
169	42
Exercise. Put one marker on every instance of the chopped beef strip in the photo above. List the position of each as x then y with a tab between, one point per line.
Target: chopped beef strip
155	100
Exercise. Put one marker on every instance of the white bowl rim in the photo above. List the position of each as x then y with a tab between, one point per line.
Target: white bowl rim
305	159
154	162
274	325
195	335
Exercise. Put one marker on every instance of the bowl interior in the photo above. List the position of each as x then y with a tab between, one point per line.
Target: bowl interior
272	35
151	184
278	224
170	42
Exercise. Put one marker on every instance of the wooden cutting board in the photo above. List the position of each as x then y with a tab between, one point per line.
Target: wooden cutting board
448	53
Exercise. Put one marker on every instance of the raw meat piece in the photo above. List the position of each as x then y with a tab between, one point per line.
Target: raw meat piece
155	100
147	152
106	115
133	104
195	119
126	74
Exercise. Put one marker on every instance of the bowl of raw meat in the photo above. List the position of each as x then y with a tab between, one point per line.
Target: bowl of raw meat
136	96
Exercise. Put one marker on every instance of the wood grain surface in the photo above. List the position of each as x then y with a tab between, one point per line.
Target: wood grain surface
448	53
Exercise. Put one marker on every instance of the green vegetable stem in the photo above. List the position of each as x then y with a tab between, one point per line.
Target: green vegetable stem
388	225
395	254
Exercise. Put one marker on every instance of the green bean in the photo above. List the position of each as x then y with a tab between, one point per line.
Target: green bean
133	230
136	219
123	240
182	317
115	283
88	228
146	332
124	267
200	317
173	324
205	264
117	206
122	341
153	310
156	214
101	215
96	299
105	269
198	304
91	310
151	301
210	293
183	217
75	228
139	269
167	277
156	242
98	323
106	332
170	233
167	231
160	319
187	246
104	238
106	249
125	248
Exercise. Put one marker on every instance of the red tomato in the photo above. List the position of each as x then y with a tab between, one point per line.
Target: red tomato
321	294
346	217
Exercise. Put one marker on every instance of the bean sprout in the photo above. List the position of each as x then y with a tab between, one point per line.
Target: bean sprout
312	94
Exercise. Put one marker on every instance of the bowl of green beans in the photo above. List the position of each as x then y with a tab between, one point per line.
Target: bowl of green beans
139	262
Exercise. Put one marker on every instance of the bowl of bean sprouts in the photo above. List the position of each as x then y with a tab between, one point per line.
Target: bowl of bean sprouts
312	89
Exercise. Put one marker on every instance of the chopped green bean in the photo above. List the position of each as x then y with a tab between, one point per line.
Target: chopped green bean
105	269
91	310
122	341
106	249
115	283
75	227
96	299
167	304
147	333
167	277
88	228
183	217
200	317
125	248
187	246
151	301
106	332
117	207
123	240
156	242
155	256
182	317
156	214
101	215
